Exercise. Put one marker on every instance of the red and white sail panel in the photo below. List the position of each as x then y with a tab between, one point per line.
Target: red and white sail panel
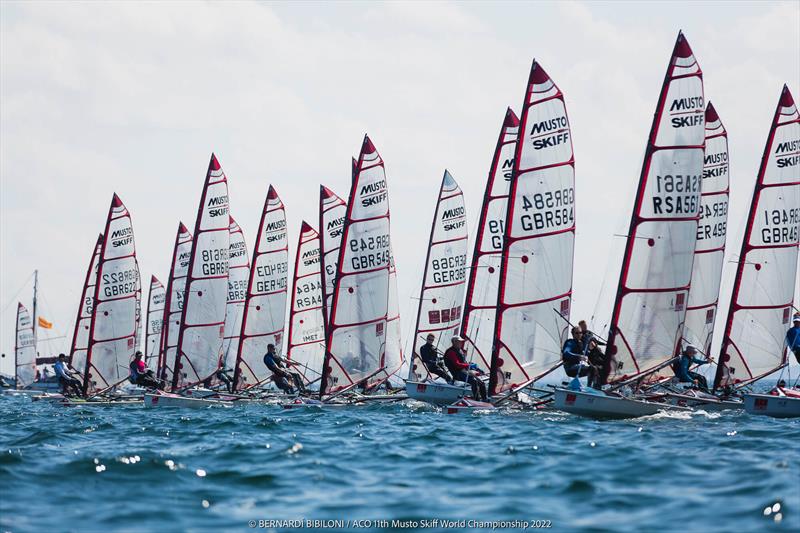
238	278
356	336
112	334
203	319
332	212
173	308
444	280
766	275
306	345
393	358
477	326
265	308
650	306
709	253
536	268
155	317
24	349
80	335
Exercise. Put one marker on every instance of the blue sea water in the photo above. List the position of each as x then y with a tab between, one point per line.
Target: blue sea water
218	469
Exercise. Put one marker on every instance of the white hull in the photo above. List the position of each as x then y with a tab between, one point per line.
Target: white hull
604	406
303	403
695	402
24	392
436	393
467	406
775	406
173	400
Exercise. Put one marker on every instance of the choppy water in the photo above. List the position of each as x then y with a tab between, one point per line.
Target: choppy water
131	469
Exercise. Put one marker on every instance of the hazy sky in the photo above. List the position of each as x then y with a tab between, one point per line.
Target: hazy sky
97	98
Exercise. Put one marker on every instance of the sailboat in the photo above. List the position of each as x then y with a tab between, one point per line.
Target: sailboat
306	338
441	293
173	306
238	279
80	334
112	330
356	336
393	358
332	212
760	312
24	349
265	304
155	317
650	306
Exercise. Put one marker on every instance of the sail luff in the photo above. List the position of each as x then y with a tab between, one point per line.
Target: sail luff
80	333
762	298
662	233
173	305
203	317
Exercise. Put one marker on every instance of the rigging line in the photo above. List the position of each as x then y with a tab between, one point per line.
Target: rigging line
14	298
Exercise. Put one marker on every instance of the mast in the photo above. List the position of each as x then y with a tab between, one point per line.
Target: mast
356	336
650	305
444	278
332	212
533	299
112	332
477	326
203	317
761	303
709	255
80	335
155	317
238	278
34	323
306	339
265	305
173	306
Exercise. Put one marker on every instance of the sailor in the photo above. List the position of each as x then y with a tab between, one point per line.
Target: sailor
595	355
793	337
430	358
65	378
139	374
455	361
685	362
576	364
222	375
282	377
588	336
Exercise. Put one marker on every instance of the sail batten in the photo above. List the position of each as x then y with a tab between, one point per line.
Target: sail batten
762	299
265	305
535	281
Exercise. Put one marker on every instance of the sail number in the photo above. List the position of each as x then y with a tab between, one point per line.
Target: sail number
270	278
552	209
781	226
496	229
215	262
449	269
120	283
710	230
684	192
370	252
237	289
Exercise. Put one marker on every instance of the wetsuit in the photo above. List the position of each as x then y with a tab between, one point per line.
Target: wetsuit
66	380
460	370
430	358
141	376
685	376
273	362
572	355
793	341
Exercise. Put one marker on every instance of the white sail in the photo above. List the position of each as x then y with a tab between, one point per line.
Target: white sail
650	306
393	358
445	273
766	275
137	343
155	317
24	349
238	277
477	326
203	319
112	333
332	211
265	307
173	307
80	335
709	253
536	270
306	339
356	336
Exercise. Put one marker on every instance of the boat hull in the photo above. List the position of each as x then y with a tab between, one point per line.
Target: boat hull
173	400
441	394
774	406
595	405
706	404
467	406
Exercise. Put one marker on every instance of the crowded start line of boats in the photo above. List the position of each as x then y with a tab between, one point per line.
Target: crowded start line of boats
487	330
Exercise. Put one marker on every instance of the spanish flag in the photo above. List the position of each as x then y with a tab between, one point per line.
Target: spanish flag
44	324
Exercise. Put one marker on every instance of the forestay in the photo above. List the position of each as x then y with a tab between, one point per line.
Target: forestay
356	337
155	317
443	281
203	318
173	308
709	253
112	333
238	278
477	326
650	306
535	290
24	349
332	211
265	307
80	334
766	275
306	345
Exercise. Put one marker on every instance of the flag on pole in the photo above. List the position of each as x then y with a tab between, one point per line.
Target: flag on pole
44	324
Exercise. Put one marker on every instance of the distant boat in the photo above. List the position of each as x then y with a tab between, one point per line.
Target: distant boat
24	349
238	279
332	212
155	316
80	335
